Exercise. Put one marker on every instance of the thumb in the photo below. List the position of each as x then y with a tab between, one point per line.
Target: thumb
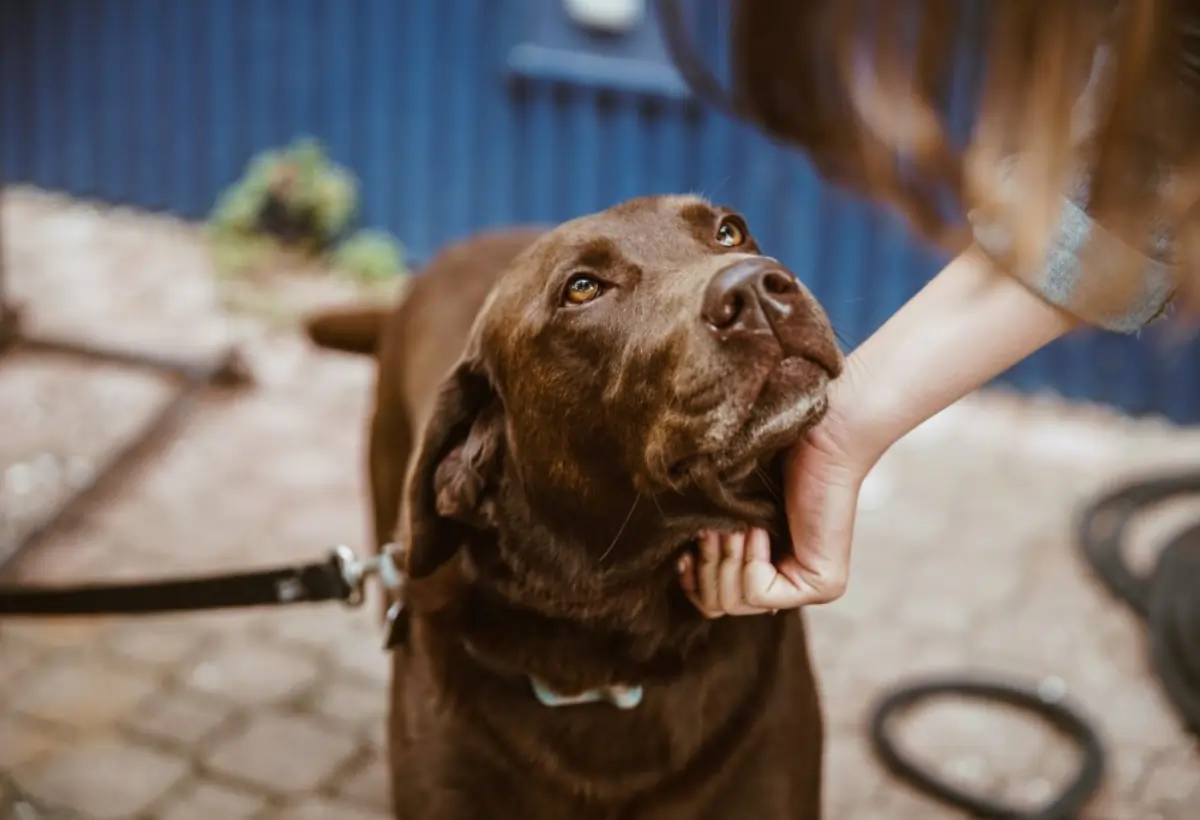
821	509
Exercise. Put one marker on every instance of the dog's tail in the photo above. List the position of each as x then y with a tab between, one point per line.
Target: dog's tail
350	330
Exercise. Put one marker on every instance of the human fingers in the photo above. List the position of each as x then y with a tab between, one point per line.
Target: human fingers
730	573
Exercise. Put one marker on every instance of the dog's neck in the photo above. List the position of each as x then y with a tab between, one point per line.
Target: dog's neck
533	618
581	613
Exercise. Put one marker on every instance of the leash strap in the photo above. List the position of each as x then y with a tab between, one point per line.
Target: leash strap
308	583
341	577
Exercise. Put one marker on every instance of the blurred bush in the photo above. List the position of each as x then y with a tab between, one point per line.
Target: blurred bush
294	204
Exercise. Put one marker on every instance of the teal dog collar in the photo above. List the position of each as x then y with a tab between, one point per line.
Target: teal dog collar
622	697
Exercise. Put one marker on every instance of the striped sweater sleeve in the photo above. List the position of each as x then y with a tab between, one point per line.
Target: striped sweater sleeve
1132	288
1124	296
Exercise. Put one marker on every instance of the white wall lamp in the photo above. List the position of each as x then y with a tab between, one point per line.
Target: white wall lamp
608	16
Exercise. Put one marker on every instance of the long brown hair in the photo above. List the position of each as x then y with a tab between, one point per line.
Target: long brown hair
1097	93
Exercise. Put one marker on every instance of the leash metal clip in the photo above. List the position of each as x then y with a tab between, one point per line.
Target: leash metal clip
387	565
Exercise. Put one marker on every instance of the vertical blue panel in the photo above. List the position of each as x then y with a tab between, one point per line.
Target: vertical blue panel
16	92
424	103
225	121
79	66
380	87
496	141
455	212
46	114
180	113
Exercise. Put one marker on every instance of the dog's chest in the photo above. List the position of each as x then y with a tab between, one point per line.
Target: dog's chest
493	723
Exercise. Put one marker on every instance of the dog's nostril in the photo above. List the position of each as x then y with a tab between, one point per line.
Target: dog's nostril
730	310
739	298
779	282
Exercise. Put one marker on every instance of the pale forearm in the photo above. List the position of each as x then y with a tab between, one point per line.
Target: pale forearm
968	325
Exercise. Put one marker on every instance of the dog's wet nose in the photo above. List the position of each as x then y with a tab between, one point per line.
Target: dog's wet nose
748	297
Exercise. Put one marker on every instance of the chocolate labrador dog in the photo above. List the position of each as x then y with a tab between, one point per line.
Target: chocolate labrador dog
558	415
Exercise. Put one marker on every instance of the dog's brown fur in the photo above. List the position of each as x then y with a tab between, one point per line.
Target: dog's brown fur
547	464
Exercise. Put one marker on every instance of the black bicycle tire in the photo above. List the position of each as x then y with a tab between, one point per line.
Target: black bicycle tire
1059	714
1103	525
1173	625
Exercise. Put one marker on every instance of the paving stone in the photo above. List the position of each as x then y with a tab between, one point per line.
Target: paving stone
1142	720
285	754
204	800
1123	783
323	629
229	622
1176	811
376	736
302	470
934	612
105	778
979	746
162	642
251	672
84	691
363	655
318	809
1112	807
180	716
370	787
869	598
15	658
899	803
315	521
851	778
23	741
59	633
871	660
353	702
1173	781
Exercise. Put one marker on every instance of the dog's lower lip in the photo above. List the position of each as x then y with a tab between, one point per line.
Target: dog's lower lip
804	359
732	460
818	413
810	419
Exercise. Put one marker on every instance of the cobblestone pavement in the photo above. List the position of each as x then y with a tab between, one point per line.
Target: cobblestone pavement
963	561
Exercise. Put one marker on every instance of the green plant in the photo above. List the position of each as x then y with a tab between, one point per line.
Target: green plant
293	198
370	255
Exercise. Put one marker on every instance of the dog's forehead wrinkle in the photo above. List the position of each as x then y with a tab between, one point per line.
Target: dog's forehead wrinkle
600	250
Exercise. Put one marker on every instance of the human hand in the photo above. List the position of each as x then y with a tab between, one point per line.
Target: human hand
732	572
969	324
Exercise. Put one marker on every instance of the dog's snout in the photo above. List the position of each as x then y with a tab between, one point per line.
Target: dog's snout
747	296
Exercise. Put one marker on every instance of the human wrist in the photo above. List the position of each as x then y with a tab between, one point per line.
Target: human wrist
862	417
971	323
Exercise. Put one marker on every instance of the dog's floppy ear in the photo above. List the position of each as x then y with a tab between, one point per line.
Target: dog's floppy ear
455	468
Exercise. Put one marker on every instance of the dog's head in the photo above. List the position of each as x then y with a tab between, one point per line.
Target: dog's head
631	380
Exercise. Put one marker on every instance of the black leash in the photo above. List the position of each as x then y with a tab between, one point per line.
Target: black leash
1168	598
341	577
1043	701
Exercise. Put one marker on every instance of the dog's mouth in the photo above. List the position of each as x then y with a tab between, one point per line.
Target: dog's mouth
779	410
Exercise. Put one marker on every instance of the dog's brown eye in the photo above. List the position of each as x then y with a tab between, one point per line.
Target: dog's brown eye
730	233
582	289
